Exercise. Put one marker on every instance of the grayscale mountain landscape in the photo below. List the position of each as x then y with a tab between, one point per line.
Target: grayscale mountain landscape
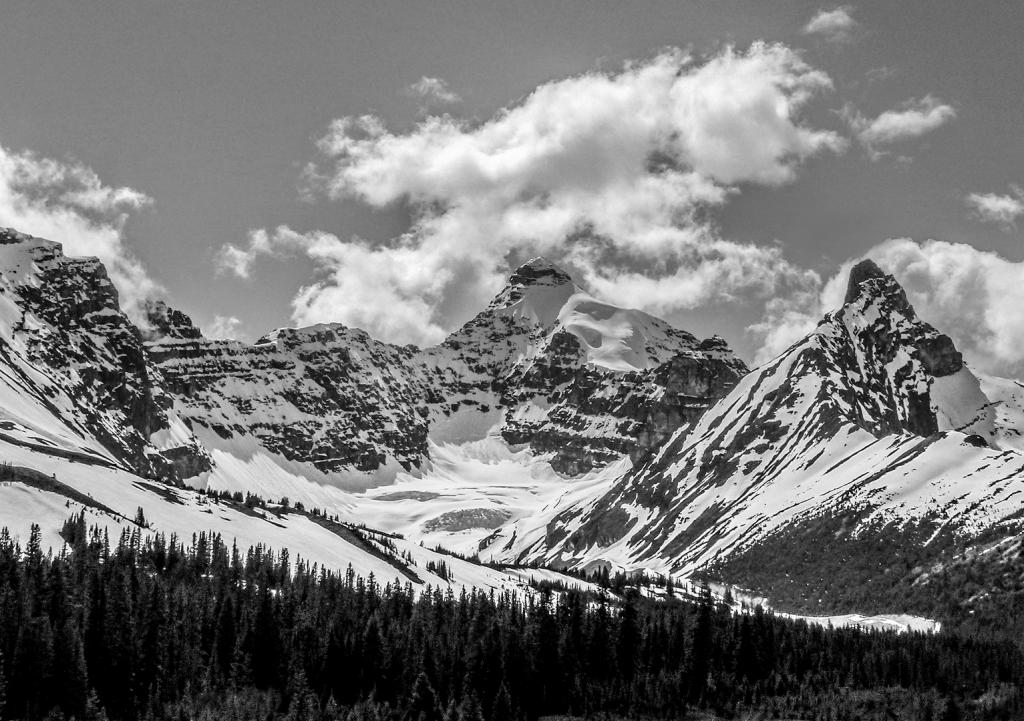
628	378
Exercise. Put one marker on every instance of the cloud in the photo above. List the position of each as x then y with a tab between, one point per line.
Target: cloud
225	327
834	25
973	295
608	172
999	209
911	119
233	259
68	203
433	90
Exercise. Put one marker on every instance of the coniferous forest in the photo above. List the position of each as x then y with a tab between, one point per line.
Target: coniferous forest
156	628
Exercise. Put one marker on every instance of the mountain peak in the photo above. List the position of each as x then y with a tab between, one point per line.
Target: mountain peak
167	322
536	288
538	270
865	270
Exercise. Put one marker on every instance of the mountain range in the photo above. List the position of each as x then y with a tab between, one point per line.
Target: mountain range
858	471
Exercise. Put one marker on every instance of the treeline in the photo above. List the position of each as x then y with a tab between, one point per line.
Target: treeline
150	627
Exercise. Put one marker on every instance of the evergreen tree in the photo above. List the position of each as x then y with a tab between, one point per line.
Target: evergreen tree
951	712
71	691
702	646
422	704
502	708
3	685
628	638
162	630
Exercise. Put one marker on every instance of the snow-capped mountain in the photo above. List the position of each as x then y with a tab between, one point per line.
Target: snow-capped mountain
584	380
303	411
873	418
544	364
552	428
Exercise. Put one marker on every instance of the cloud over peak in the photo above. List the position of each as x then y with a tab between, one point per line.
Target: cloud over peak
67	202
606	171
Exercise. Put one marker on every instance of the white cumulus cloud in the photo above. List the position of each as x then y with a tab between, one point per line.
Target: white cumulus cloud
998	208
606	171
836	25
68	203
973	295
911	119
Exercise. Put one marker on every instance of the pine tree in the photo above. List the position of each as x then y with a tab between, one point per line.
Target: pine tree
628	639
422	704
702	646
371	658
31	670
502	708
385	653
951	712
469	709
71	685
94	709
3	685
116	681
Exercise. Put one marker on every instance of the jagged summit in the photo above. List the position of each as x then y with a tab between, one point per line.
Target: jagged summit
167	322
539	269
537	290
877	308
865	270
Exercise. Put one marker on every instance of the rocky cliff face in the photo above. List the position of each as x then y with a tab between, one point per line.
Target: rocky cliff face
897	355
327	395
70	351
589	415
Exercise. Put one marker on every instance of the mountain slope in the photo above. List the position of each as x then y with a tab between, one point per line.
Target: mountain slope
873	417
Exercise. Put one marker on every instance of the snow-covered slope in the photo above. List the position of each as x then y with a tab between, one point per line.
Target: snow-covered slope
57	488
873	415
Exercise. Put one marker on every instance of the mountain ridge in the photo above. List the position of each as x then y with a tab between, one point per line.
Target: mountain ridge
551	428
354	410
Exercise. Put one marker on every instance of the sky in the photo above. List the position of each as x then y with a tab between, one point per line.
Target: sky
384	164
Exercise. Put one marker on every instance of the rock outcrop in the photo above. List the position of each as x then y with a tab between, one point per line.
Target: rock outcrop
65	340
